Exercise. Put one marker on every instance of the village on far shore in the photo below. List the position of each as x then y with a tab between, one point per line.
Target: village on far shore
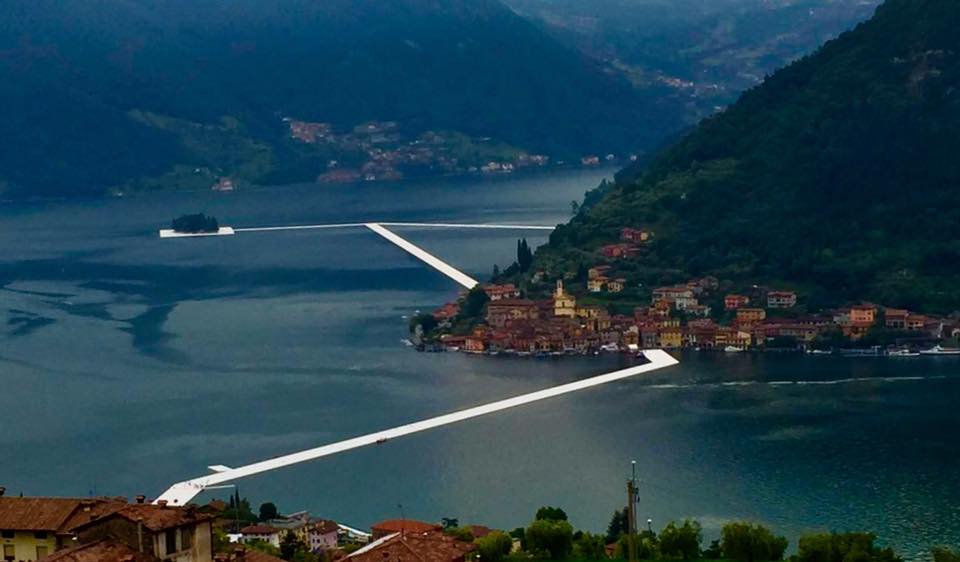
701	314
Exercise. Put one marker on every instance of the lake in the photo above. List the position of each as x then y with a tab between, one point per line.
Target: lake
129	362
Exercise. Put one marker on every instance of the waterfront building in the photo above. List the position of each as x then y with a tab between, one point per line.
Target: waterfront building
895	318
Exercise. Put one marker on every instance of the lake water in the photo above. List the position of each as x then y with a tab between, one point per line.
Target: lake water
128	363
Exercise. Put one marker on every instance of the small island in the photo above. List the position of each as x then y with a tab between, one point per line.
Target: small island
198	223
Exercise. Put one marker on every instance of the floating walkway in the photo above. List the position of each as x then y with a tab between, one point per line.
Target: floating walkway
182	492
170	233
398	224
443	267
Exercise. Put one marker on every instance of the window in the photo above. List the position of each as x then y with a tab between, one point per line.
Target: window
42	551
186	538
171	540
9	553
40	535
6	534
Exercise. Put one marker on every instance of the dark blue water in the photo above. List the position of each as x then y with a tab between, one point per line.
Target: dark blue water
128	363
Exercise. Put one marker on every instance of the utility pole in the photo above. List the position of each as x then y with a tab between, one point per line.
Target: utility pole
632	513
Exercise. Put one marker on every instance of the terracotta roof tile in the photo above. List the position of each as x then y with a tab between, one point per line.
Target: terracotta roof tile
52	514
430	546
155	517
405	525
100	551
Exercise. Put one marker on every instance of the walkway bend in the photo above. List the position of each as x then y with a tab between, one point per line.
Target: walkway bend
182	492
421	254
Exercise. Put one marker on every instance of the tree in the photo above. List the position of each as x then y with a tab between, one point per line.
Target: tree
449	523
944	554
496	272
681	541
550	537
574	207
220	540
590	547
473	303
494	547
842	547
648	547
551	514
294	549
524	255
263	546
460	533
268	511
745	542
618	525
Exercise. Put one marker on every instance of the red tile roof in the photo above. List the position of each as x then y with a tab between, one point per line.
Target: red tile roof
242	554
325	526
155	517
429	546
100	551
52	514
259	529
405	525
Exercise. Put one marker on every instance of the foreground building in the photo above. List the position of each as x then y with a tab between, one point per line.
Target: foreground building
35	528
414	546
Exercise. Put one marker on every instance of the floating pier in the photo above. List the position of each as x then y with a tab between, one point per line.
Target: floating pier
421	254
171	233
182	492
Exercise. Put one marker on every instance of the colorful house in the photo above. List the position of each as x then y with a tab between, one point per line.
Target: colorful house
750	315
781	299
733	302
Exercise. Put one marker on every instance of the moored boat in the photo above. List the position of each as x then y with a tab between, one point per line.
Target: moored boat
940	350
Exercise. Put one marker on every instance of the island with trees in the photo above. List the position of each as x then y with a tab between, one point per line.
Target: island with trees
196	223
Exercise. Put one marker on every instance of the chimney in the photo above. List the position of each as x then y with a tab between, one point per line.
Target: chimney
141	498
162	504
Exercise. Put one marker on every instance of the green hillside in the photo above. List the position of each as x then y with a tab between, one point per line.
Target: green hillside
838	175
213	75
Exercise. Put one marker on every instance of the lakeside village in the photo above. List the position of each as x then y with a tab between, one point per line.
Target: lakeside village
111	529
498	319
380	151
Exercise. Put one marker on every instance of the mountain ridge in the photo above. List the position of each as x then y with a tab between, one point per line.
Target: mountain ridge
836	175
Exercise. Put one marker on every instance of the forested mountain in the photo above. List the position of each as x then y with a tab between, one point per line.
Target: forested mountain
107	93
706	51
838	176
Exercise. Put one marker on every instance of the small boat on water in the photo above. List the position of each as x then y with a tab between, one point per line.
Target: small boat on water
940	350
903	353
819	352
733	349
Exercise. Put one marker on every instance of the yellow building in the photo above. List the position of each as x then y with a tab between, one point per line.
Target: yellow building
671	338
564	304
596	284
748	315
31	528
